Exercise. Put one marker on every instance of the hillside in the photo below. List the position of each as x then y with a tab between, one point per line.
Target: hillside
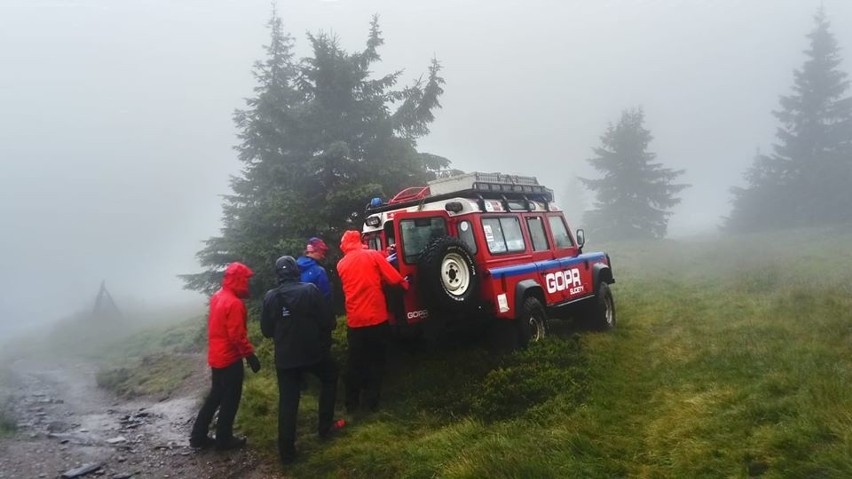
730	359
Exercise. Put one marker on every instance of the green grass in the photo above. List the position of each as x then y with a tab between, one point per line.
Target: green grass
186	336
8	425
155	375
731	359
152	362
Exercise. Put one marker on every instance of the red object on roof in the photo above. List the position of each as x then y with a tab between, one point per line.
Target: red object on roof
410	194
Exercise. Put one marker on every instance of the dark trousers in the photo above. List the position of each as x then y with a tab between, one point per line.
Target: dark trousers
225	392
367	357
289	392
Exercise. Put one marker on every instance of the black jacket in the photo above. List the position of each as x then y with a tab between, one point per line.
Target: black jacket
300	321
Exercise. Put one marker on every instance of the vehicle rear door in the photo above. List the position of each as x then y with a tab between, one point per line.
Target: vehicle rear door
414	231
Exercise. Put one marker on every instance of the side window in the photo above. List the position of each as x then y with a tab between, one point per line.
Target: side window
560	232
390	234
512	233
466	235
503	235
374	242
539	238
493	235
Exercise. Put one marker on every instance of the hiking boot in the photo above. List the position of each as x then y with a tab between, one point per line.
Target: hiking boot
201	443
334	430
287	455
229	444
287	459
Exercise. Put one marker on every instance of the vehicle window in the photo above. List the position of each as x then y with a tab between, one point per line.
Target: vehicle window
493	235
560	232
390	234
418	233
513	234
503	235
539	238
466	235
374	242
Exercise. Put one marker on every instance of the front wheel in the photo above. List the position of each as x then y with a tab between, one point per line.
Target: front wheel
532	322
601	312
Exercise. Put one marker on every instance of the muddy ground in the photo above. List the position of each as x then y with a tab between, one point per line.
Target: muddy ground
65	421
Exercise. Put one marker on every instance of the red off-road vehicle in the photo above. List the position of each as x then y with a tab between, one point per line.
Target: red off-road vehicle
485	246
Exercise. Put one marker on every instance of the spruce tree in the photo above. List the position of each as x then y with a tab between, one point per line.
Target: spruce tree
319	138
635	194
807	180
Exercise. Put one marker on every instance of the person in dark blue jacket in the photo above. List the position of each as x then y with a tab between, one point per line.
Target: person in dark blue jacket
310	268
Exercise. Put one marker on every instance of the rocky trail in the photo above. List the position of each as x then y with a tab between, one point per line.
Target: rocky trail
67	427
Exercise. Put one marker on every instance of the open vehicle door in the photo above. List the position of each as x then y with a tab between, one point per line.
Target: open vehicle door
441	264
414	233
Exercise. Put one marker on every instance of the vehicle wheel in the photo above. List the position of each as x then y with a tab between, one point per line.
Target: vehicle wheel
447	275
601	312
532	322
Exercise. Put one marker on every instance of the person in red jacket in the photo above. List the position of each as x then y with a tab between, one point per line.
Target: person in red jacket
363	272
228	344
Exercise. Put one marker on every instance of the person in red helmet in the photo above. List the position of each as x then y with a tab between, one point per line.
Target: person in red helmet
228	344
363	272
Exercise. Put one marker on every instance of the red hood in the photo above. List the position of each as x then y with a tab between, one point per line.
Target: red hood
351	241
237	278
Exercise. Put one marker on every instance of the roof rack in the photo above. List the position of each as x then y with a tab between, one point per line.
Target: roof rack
475	186
494	182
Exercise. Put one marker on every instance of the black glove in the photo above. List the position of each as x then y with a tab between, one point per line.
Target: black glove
253	362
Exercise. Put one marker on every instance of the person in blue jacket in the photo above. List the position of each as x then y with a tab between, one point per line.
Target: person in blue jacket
311	271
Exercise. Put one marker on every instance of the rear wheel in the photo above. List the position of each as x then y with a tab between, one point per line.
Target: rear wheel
601	311
532	322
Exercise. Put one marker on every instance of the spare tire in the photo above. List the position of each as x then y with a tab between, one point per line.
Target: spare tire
447	275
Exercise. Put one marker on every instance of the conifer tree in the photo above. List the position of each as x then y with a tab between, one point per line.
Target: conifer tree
319	138
807	180
635	194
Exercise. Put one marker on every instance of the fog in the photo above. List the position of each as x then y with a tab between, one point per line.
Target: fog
116	134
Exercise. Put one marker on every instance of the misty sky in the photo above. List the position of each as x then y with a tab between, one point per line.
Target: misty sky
116	133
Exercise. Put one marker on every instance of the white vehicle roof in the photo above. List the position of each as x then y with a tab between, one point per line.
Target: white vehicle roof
476	192
469	206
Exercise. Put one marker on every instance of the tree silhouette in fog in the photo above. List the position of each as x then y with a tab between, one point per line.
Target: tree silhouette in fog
319	138
634	196
807	180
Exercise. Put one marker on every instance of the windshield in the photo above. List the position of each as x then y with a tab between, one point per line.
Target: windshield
418	233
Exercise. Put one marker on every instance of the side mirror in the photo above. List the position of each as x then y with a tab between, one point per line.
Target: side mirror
581	237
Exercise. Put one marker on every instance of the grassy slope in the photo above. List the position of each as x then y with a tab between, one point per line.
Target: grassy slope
152	362
8	425
731	359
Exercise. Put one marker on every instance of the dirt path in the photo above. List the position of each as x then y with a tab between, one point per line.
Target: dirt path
65	421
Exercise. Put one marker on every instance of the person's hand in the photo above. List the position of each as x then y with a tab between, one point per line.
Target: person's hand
406	282
253	362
